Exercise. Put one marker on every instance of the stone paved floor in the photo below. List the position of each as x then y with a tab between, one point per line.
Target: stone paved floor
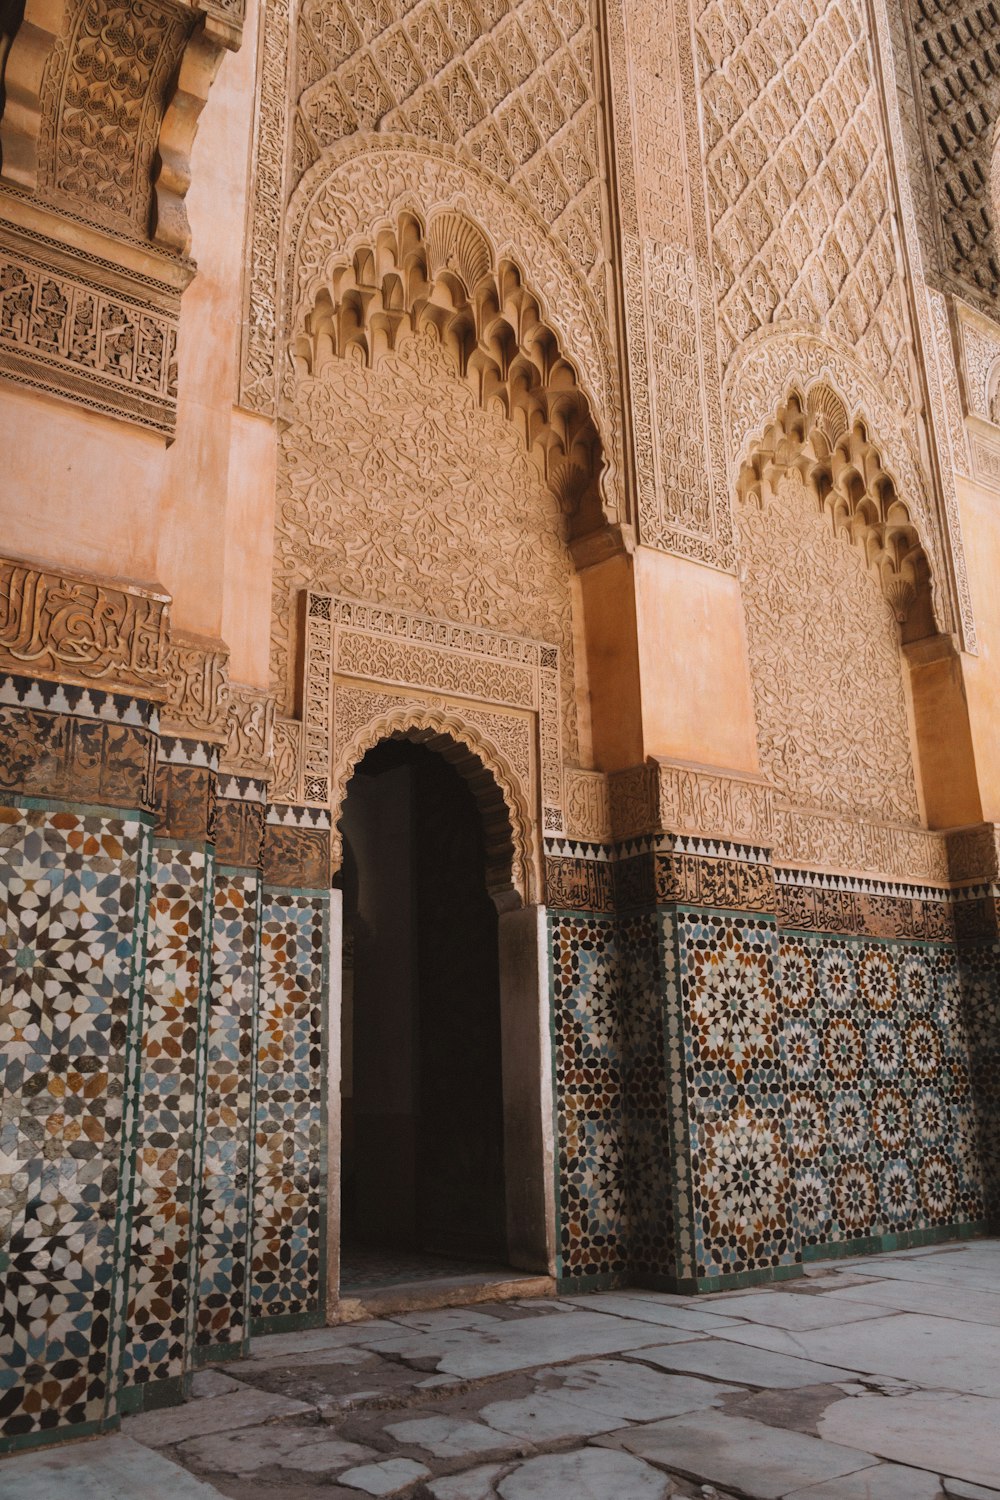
874	1379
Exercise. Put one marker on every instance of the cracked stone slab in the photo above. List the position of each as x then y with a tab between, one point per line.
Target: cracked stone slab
790	1310
746	1366
213	1383
451	1437
957	1489
105	1469
958	1435
886	1482
940	1352
542	1341
594	1474
388	1478
919	1297
244	1408
650	1309
306	1450
474	1484
731	1451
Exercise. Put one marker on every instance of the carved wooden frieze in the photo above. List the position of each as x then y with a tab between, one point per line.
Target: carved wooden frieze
197	701
72	628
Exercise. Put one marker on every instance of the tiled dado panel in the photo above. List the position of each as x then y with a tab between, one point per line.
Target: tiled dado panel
171	1121
979	966
728	1096
290	1162
72	930
222	1317
587	1050
882	1115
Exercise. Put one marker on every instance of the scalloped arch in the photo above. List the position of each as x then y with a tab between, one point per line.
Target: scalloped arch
501	800
795	358
360	187
812	435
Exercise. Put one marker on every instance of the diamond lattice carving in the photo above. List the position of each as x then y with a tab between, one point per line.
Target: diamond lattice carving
515	83
957	51
798	179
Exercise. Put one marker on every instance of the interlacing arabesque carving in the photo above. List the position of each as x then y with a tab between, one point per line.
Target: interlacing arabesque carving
798	180
443	281
501	799
956	56
103	100
833	572
68	627
670	797
396	486
515	82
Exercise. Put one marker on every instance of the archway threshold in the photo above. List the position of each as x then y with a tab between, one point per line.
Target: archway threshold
402	1284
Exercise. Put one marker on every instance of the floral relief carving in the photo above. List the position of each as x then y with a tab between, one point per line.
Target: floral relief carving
462	527
825	662
442	282
82	630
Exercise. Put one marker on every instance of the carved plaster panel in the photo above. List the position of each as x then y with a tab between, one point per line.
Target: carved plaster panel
588	810
197	700
954	55
674	797
249	729
826	668
69	627
516	86
798	358
365	664
393	483
84	327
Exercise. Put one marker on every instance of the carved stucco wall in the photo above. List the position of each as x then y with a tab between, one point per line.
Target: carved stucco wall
954	48
396	487
825	663
798	179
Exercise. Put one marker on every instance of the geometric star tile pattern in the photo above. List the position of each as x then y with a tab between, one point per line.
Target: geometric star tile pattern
881	1109
165	1204
290	1162
222	1312
71	956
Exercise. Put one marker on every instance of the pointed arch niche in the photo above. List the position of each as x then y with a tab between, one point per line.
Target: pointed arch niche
861	714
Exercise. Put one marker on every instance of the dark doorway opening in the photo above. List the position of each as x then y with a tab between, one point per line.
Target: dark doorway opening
422	1170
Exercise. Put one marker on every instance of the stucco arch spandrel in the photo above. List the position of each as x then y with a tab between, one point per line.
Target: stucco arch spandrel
776	362
361	185
501	798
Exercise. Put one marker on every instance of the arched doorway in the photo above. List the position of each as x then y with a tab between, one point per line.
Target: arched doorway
424	1149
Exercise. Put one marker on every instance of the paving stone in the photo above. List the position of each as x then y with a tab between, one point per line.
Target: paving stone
307	1450
886	1482
594	1474
950	1434
789	1310
957	1489
651	1310
748	1366
105	1469
633	1393
474	1484
450	1437
919	1297
384	1479
766	1462
940	1352
213	1383
244	1408
538	1341
546	1417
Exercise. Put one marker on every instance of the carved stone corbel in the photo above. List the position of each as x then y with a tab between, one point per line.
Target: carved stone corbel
199	65
27	56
